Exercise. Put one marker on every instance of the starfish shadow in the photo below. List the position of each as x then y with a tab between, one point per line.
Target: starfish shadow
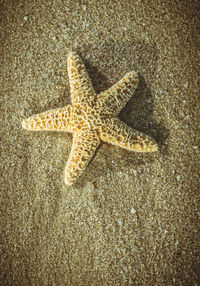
138	114
99	80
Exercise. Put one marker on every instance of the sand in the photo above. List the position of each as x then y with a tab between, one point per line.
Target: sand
131	219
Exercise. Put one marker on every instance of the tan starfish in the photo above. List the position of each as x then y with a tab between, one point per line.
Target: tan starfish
92	118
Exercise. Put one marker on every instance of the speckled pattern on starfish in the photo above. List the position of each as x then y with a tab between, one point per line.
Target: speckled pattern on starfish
92	118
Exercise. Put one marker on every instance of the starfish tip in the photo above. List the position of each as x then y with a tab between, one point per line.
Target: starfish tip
68	182
24	124
154	148
72	55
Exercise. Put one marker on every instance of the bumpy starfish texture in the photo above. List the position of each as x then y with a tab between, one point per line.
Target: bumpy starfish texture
92	118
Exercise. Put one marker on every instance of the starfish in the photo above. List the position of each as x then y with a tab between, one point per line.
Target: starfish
92	118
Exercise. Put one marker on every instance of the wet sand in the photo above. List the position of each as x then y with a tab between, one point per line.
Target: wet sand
131	219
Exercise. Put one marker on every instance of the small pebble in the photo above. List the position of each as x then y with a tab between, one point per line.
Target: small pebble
133	211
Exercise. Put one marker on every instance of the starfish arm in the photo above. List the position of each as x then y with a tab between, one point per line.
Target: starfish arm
84	145
116	97
118	133
59	119
82	91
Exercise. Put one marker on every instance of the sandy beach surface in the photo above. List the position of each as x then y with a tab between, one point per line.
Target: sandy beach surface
131	218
